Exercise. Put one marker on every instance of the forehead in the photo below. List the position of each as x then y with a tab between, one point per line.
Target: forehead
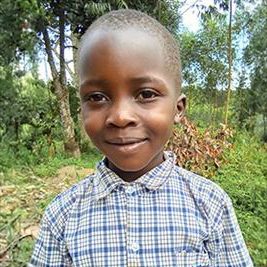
130	47
128	36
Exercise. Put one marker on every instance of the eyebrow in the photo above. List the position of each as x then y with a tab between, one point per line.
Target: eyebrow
134	80
146	79
94	82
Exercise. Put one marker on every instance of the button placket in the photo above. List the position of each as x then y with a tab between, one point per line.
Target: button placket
132	238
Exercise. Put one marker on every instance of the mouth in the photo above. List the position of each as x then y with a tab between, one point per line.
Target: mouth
127	145
124	141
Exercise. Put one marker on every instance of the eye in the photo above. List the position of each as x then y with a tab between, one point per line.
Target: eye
96	98
147	95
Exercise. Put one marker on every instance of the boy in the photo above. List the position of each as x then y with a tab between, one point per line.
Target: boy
138	208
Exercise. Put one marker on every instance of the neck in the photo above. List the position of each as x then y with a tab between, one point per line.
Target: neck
130	176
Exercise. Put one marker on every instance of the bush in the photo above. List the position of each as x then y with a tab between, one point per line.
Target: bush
200	151
243	177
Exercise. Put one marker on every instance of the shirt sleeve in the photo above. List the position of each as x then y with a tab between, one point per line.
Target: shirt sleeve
50	250
226	246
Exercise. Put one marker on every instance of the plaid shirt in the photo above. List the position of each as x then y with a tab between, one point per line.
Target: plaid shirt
167	217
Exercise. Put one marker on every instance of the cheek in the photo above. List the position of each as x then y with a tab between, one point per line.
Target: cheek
161	122
91	123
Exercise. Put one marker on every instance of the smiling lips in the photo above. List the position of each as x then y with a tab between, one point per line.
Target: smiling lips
126	144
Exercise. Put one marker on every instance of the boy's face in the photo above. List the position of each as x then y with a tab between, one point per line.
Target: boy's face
129	99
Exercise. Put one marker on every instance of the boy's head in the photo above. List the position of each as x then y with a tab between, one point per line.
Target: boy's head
130	89
125	19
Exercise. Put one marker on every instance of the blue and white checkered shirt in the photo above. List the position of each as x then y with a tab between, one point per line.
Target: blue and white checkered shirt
167	217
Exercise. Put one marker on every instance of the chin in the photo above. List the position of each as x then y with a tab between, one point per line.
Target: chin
131	167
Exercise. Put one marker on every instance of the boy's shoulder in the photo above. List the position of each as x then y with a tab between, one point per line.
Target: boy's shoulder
58	211
203	191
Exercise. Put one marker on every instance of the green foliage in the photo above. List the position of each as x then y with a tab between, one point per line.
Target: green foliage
163	10
202	64
201	109
251	97
244	178
29	116
16	37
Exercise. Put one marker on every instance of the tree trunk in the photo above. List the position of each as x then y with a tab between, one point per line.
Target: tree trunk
229	63
75	46
59	82
62	68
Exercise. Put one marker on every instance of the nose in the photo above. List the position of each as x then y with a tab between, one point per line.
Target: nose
121	114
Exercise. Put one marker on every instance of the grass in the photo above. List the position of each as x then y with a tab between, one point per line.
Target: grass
25	191
243	177
27	188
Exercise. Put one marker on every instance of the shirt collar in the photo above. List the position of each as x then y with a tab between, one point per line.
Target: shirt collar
105	180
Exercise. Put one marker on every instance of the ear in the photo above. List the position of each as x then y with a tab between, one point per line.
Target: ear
180	105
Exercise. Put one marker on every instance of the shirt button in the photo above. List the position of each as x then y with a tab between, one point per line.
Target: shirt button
134	247
183	252
129	190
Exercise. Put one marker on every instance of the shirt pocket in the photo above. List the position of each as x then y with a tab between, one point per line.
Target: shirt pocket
192	259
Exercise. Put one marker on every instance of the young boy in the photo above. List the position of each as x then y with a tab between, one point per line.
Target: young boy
138	208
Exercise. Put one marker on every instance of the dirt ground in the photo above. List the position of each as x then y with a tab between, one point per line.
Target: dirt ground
22	204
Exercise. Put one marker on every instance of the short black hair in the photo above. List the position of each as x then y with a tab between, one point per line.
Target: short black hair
129	18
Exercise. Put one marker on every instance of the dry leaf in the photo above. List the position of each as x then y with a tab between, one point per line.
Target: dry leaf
32	230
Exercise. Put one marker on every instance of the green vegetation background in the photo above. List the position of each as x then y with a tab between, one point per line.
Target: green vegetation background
34	166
